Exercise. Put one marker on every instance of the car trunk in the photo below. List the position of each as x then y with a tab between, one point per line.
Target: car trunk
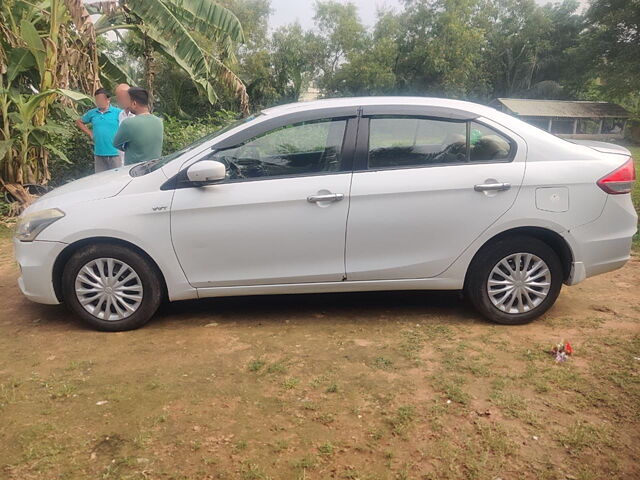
602	147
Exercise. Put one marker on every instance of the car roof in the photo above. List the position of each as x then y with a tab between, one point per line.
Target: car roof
471	107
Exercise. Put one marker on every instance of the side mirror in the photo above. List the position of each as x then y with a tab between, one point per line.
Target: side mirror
206	171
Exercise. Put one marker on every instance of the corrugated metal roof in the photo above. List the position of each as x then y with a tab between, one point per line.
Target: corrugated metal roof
563	108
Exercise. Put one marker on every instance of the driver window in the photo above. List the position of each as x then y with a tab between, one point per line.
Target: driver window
297	149
411	141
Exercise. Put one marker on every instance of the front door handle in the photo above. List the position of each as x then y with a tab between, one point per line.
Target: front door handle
329	197
492	187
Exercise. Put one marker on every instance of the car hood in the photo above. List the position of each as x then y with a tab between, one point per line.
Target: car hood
602	147
94	187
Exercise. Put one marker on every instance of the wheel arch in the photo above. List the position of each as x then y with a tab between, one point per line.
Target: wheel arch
551	238
69	250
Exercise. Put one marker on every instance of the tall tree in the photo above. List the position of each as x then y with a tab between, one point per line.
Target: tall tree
293	60
339	32
613	39
441	50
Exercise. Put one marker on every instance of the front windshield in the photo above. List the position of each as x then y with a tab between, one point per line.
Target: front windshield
152	165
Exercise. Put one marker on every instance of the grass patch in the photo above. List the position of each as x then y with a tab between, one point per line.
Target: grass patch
452	388
326	448
635	194
582	435
290	383
402	419
251	471
382	363
256	365
276	368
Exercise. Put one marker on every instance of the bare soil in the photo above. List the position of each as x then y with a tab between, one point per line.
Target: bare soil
352	386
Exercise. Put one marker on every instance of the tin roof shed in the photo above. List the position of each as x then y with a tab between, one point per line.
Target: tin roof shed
560	108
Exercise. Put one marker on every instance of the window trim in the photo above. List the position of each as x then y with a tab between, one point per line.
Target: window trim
362	150
180	180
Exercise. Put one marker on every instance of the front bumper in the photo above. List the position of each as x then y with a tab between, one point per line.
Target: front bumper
36	260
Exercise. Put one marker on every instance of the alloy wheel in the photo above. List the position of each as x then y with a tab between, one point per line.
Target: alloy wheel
109	289
519	283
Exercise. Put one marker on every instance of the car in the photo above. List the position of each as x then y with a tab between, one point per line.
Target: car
337	195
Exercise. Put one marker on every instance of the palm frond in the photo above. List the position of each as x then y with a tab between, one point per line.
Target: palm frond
113	71
162	26
207	17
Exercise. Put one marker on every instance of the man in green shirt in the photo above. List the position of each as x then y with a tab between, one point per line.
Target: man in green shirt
140	137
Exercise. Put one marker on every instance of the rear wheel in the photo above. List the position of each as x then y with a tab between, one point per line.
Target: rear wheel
111	287
514	280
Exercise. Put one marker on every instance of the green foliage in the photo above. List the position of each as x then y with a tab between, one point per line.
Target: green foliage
197	36
613	41
77	148
180	133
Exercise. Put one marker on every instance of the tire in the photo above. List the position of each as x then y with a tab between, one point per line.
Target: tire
533	293
129	286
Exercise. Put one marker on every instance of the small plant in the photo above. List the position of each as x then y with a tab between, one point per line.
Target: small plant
290	383
402	419
382	363
326	448
305	463
333	388
252	471
325	418
277	367
241	445
256	365
280	446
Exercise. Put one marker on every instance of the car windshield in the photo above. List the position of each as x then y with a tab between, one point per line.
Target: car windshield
152	165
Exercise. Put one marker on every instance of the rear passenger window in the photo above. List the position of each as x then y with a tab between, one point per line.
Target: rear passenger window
410	141
486	144
400	141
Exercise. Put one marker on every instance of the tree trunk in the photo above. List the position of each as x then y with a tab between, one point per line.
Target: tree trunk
149	66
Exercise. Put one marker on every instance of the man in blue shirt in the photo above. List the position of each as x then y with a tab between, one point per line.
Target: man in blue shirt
104	123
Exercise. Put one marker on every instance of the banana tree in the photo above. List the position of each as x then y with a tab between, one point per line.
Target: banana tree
197	35
43	51
31	136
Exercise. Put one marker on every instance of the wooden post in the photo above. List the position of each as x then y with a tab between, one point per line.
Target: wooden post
549	126
575	126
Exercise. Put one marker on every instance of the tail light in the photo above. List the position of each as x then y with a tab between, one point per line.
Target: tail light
620	180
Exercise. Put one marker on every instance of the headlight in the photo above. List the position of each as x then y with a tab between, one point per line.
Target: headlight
29	226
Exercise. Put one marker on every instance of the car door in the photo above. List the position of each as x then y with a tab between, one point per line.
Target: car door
424	188
278	218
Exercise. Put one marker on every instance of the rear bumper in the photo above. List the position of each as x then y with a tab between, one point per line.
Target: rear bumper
604	244
36	260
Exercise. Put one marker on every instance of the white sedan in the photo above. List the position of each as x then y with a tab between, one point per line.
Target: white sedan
339	195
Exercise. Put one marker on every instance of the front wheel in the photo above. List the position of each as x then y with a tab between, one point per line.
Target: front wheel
111	287
514	280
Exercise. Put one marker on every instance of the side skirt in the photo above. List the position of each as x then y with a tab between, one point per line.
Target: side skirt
330	287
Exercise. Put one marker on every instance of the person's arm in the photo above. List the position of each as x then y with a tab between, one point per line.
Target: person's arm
82	126
122	136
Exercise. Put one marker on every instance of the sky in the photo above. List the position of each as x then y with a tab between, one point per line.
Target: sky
288	11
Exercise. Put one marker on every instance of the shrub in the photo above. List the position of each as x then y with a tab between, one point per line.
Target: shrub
79	150
180	133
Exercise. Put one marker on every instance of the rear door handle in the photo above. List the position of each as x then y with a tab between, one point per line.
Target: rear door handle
330	197
488	187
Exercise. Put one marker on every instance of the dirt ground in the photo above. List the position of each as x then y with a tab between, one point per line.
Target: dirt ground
354	386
